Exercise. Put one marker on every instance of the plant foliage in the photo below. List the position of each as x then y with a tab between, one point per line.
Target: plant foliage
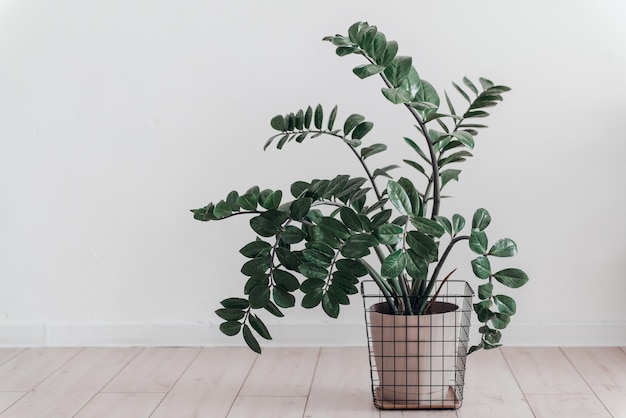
330	233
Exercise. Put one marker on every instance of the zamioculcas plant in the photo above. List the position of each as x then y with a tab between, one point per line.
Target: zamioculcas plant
330	233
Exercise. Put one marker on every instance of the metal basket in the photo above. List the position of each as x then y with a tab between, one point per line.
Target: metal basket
418	362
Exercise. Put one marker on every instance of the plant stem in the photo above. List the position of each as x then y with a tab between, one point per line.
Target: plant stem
438	290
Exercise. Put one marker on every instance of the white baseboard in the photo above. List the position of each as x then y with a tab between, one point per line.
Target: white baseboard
337	334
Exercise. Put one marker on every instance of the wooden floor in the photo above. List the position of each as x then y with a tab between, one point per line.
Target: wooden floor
295	382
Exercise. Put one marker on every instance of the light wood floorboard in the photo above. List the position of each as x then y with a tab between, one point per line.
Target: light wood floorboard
233	382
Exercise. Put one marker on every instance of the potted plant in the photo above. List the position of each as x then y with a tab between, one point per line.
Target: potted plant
333	233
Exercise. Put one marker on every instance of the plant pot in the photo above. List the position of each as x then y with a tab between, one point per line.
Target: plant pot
418	361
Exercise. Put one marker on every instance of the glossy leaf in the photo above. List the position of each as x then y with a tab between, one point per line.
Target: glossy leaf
390	53
500	320
427	226
481	219
397	95
300	207
423	245
458	223
354	250
272	201
503	248
511	277
273	309
351	267
318	117
311	300
230	314
330	305
282	298
380	218
286	280
292	235
505	304
445	224
312	271
362	129
350	219
278	122
367	70
399	198
478	241
394	264
248	201
448	175
256	266
331	118
255	249
288	258
351	123
485	291
259	297
389	234
481	267
312	285
398	70
222	209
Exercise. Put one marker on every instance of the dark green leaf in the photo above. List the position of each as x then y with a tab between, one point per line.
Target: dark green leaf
259	297
332	117
230	328
390	53
384	171
458	223
317	257
308	116
312	271
235	303
478	241
447	175
255	249
398	70
256	280
247	201
283	298
230	314
273	309
272	201
350	219
222	209
311	300
469	84
333	227
288	258
500	320
250	340
481	267
278	123
465	138
362	129
351	123
394	264
372	150
300	207
292	235
445	223
312	285
318	117
352	267
481	219
389	234
339	293
286	280
486	84
380	218
503	248
259	327
330	305
354	250
462	92
511	277
256	266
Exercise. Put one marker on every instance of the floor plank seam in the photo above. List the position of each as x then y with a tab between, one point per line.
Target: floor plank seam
176	381
508	365
243	383
14	356
308	395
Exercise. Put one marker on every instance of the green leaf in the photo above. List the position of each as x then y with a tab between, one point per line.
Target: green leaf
317	257
292	235
259	297
462	92
286	280
351	123
372	150
230	328
500	320
230	314
417	166
331	118
330	305
318	117
311	300
486	84
312	271
278	122
465	138
390	53
445	223
448	175
288	258
481	267
273	309
354	250
427	226
300	207
485	291
398	70
505	304
248	201
272	201
478	241
250	340
259	327
312	285
351	266
389	234
399	198
350	219
481	219
362	129
469	84
283	298
380	218
394	264
308	116
458	223
256	266
333	228
423	245
503	248
222	209
255	249
397	95
235	303
337	290
511	277
367	70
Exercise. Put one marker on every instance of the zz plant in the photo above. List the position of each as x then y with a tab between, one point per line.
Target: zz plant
332	232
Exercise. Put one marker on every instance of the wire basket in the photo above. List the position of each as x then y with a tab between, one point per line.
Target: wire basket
418	361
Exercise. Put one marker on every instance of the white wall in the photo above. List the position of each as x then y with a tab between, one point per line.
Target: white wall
117	117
